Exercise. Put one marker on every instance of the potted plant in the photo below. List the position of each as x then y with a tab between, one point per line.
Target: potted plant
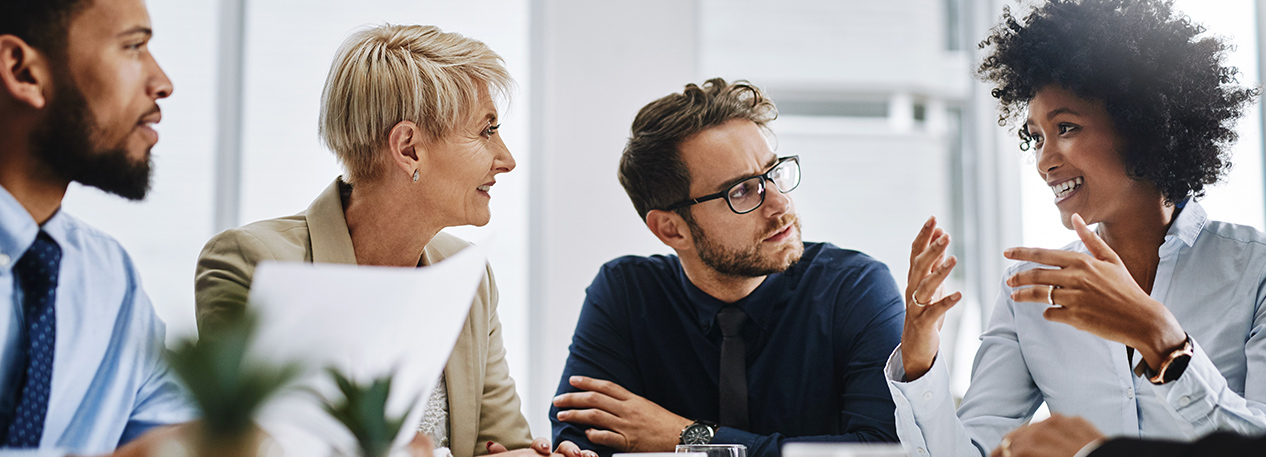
227	387
363	410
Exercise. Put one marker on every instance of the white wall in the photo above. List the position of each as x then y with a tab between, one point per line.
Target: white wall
596	64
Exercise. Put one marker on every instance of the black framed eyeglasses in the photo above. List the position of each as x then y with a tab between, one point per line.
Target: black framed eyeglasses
749	194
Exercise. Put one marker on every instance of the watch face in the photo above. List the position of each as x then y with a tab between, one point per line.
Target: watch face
697	434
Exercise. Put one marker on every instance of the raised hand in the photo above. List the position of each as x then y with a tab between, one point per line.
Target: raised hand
926	303
1095	293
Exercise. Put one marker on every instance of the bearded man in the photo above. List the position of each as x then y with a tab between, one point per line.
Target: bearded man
747	335
81	347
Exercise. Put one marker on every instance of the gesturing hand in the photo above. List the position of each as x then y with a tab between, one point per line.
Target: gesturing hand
620	419
925	302
1095	293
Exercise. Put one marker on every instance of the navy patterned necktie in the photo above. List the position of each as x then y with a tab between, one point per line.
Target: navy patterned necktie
36	274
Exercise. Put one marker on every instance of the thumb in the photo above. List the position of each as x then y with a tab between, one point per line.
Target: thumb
1097	247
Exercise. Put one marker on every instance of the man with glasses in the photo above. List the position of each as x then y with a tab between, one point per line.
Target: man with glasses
747	335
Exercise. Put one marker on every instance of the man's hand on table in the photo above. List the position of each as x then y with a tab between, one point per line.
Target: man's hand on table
619	419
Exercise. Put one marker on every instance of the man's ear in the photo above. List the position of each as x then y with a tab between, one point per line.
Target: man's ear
671	229
404	144
24	72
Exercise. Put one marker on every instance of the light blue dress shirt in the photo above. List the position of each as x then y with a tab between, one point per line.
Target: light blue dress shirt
109	380
1211	276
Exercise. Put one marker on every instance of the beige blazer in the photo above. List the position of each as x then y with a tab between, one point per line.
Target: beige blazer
482	402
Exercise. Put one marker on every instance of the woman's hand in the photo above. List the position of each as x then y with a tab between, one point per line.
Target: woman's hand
925	302
1058	436
541	447
1095	293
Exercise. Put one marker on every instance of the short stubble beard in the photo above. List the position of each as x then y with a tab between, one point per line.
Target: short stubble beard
743	263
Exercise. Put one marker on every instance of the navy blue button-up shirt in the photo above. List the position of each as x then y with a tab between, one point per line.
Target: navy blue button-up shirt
817	339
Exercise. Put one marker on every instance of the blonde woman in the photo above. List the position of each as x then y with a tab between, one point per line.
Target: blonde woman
409	112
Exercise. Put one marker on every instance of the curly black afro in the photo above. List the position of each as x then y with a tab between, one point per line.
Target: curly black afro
1164	85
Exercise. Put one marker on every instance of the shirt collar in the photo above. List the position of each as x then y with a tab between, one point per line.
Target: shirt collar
1189	223
759	305
18	229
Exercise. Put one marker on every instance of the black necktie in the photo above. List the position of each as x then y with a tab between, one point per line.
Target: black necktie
36	274
733	382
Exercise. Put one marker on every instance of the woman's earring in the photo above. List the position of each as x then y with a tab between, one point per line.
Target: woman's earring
416	176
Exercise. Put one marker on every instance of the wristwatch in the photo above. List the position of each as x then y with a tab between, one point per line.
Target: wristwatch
700	432
1171	368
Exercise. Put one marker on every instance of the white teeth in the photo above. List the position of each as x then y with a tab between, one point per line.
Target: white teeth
484	187
1064	188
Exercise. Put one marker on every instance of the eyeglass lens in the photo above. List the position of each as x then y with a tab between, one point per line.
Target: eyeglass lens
749	194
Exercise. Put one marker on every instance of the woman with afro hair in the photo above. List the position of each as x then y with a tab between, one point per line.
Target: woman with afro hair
1154	324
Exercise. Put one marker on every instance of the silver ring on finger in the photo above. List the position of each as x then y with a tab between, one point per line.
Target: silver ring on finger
1050	295
916	301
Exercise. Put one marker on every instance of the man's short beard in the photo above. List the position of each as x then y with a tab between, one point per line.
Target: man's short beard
741	263
64	141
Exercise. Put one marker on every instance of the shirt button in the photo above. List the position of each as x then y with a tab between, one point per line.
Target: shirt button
1184	401
921	451
4	259
927	396
1129	393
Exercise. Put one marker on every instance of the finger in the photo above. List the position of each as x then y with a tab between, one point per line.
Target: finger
921	240
496	448
1044	295
569	449
594	417
934	311
578	400
927	261
1052	257
1058	314
928	286
598	385
541	446
1041	276
607	438
1094	244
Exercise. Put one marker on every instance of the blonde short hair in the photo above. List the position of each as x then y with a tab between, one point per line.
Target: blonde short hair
392	73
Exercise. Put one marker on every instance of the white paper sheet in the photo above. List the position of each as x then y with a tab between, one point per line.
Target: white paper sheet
366	321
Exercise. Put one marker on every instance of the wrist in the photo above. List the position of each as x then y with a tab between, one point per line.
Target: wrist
1165	340
916	365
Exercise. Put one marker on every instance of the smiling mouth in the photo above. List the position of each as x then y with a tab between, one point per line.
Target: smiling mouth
484	188
1066	188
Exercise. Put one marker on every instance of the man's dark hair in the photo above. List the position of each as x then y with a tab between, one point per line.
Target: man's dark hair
651	169
43	24
1165	86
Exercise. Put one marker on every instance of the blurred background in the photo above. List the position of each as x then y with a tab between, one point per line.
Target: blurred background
876	97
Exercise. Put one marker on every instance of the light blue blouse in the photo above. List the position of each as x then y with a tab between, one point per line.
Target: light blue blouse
109	381
1211	276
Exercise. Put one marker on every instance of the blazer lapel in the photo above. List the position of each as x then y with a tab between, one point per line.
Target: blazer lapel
460	374
327	228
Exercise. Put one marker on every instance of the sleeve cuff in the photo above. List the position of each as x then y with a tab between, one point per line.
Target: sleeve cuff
923	395
729	435
1194	395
